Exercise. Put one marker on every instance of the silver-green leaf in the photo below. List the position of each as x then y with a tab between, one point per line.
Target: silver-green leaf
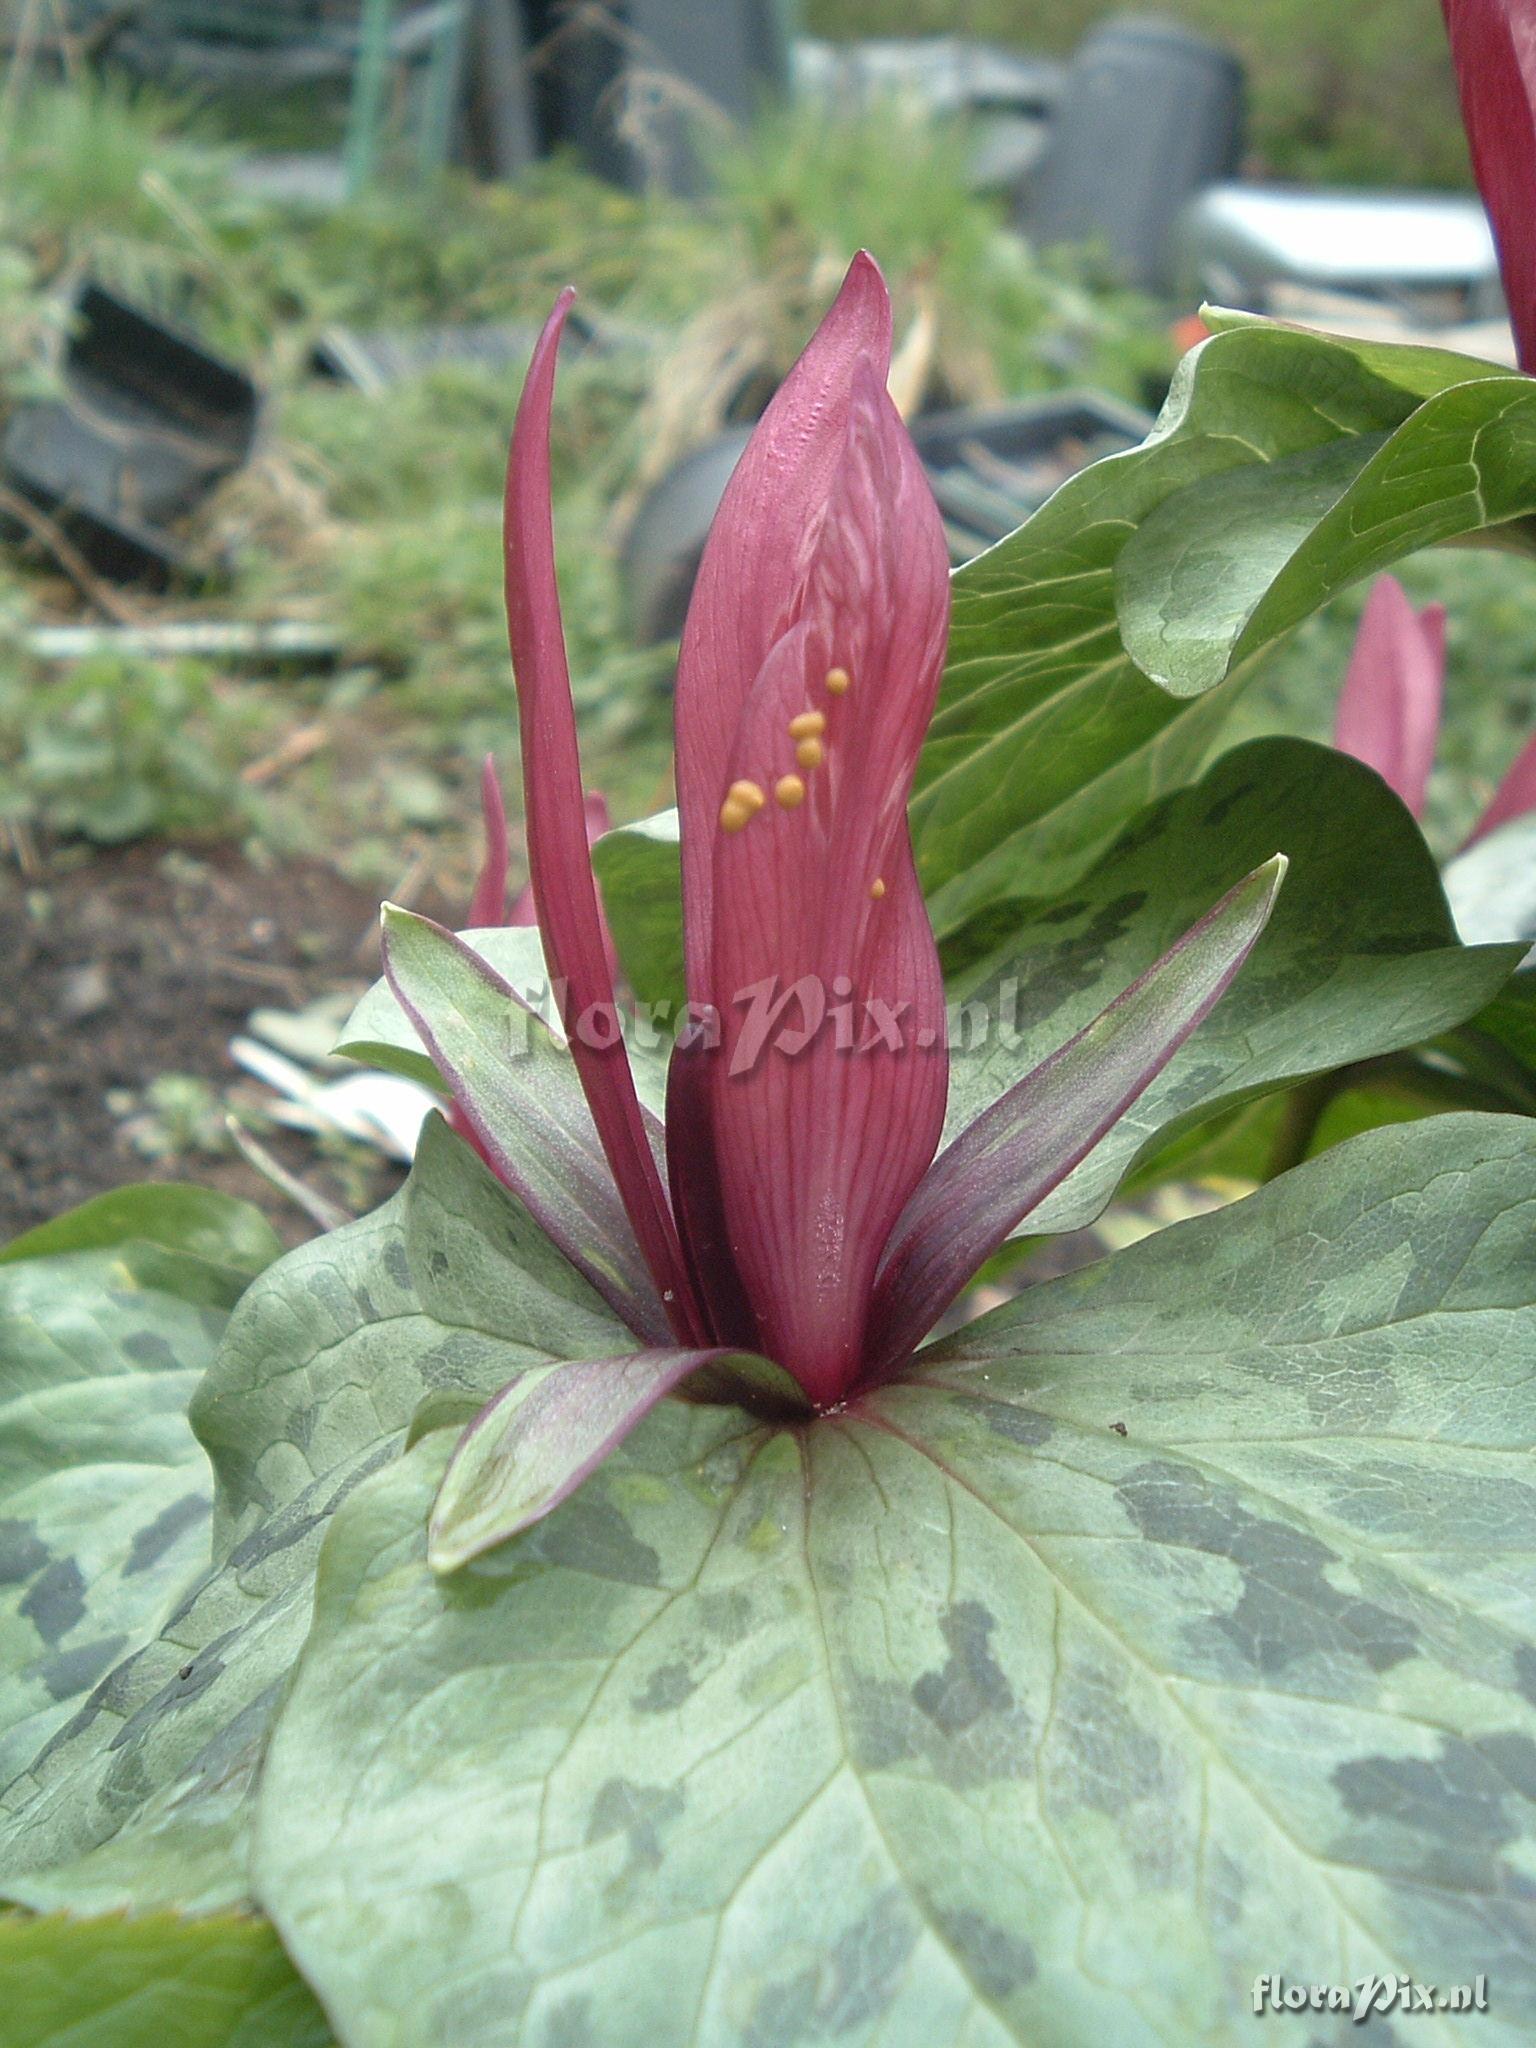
1175	1629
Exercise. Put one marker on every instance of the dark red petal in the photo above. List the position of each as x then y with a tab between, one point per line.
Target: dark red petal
693	1171
1007	1161
1389	708
750	583
1493	45
570	921
488	906
525	911
819	1144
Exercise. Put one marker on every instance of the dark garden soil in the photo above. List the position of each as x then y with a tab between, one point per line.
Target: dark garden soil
128	965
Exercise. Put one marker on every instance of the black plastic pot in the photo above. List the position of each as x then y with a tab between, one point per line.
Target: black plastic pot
990	468
149	421
1150	115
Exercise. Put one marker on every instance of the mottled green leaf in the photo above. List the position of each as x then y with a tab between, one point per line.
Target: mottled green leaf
1501	1040
379	1034
541	1437
1360	957
1285	465
153	1982
108	1318
1178	1627
144	1798
524	1099
1220	569
449	1289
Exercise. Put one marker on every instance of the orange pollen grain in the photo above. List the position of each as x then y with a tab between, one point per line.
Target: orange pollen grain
838	680
789	791
743	800
807	725
809	753
877	887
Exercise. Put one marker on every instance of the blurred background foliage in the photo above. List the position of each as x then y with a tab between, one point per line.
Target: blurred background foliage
1361	93
377	514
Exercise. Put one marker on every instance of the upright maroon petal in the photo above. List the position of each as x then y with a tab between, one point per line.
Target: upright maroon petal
488	905
828	1088
1515	795
525	911
570	920
693	1170
1493	44
751	579
1389	708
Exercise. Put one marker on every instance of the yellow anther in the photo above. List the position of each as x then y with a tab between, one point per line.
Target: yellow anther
789	791
809	753
743	800
877	887
838	680
807	725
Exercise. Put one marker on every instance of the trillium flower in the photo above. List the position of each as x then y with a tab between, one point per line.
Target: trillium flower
789	1208
1388	713
1493	46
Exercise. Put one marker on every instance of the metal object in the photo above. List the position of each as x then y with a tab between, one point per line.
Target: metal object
1236	244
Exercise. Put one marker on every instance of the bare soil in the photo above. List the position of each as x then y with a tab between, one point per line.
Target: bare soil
122	966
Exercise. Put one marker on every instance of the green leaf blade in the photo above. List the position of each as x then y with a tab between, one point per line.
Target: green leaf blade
157	1981
1126	1655
1285	465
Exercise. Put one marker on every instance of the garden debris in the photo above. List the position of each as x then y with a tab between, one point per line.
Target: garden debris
148	422
1429	255
375	359
329	1215
85	992
1006	98
1491	887
380	1110
178	1116
277	643
301	745
290	1050
1150	114
990	469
